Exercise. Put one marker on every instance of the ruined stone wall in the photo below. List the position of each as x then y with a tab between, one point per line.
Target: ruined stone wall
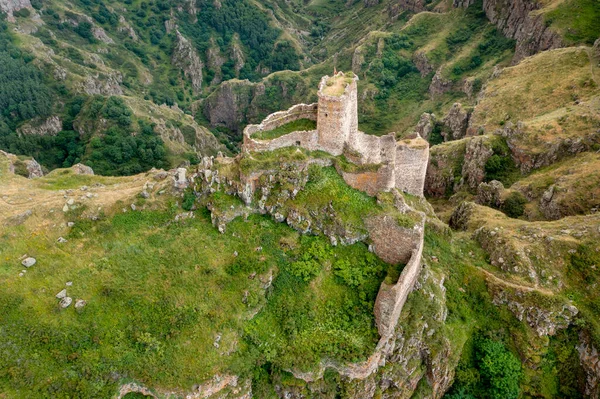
403	165
304	139
412	158
337	121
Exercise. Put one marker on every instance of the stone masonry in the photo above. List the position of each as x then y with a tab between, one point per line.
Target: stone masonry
398	164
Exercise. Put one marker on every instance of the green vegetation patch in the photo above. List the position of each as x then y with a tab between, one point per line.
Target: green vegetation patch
160	292
294	126
577	20
321	307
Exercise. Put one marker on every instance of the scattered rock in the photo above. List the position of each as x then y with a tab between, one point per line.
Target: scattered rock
28	262
145	194
62	294
61	240
70	224
69	283
65	302
20	218
80	303
133	207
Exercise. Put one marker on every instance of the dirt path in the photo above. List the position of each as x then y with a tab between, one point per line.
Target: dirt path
521	287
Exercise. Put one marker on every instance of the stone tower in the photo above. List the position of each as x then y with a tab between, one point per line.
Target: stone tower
337	119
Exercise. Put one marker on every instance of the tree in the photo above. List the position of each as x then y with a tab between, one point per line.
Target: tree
500	370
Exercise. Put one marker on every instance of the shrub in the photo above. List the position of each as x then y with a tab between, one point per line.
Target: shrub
188	200
305	270
500	369
514	205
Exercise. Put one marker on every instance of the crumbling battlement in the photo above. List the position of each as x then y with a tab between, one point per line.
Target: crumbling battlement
402	164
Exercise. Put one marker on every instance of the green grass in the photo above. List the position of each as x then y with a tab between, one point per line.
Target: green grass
159	292
294	126
577	20
157	295
62	179
350	205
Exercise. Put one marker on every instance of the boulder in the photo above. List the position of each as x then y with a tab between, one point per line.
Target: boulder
490	194
65	302
28	262
81	169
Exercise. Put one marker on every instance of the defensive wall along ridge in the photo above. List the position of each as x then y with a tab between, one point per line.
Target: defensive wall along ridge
382	164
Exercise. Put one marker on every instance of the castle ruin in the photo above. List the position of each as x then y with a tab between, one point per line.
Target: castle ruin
382	162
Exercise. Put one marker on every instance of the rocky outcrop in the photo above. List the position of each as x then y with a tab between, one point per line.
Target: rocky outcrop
23	167
445	168
104	85
477	152
10	6
490	194
237	55
548	152
544	314
426	125
397	6
228	105
214	62
186	58
33	168
456	121
124	26
439	85
422	63
590	361
516	20
100	34
48	127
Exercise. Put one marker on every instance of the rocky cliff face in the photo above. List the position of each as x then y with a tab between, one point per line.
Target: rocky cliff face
548	152
478	151
186	58
228	105
457	121
50	127
515	19
590	361
9	6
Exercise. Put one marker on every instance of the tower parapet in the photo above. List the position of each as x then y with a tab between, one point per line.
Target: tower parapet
337	120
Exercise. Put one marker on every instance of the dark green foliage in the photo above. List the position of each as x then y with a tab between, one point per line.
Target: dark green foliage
117	152
500	370
22	13
188	200
514	205
500	166
256	34
494	44
357	273
23	95
309	263
490	371
84	29
436	136
298	326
